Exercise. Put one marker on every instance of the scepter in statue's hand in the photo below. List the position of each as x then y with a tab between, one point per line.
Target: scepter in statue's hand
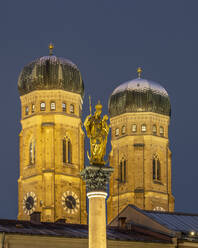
90	104
88	118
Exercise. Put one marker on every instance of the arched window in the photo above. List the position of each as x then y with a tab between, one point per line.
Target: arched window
154	129
26	110
161	131
53	106
42	106
123	129
33	108
156	169
64	106
64	150
71	108
116	131
32	153
134	128
122	171
67	150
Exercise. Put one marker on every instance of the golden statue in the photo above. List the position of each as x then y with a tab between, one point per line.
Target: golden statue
97	131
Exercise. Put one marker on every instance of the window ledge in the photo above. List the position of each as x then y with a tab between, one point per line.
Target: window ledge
157	181
68	164
30	166
124	134
122	182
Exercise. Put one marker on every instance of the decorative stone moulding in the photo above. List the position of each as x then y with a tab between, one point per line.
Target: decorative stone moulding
96	177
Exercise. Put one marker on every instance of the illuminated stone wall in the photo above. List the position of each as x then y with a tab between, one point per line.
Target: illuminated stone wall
37	241
138	149
45	177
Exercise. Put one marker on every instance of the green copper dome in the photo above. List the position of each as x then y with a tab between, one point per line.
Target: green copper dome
50	72
139	95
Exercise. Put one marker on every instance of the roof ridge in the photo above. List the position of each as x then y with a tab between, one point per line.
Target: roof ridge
162	212
171	213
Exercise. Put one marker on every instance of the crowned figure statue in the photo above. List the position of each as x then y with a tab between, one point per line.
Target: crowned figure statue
96	175
97	131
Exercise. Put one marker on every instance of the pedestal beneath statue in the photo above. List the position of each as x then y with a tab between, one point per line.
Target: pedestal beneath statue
97	178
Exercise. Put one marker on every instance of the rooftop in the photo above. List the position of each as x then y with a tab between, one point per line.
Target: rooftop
78	231
175	221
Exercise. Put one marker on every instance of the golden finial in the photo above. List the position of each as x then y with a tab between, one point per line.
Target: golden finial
98	105
139	71
90	104
51	47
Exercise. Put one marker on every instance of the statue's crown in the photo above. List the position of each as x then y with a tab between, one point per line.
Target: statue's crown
98	106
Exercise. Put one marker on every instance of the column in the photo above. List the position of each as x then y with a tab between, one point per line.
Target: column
97	177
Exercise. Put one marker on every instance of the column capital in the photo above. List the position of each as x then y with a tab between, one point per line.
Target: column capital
96	177
97	194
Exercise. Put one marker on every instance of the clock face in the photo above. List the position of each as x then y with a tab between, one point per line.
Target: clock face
70	202
29	203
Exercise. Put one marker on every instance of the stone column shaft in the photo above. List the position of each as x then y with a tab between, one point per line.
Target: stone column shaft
97	177
97	220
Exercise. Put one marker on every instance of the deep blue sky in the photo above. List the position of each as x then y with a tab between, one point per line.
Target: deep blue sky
108	40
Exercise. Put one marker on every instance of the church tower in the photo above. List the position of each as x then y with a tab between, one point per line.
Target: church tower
140	115
51	141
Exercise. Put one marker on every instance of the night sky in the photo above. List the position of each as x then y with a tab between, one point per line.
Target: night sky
108	40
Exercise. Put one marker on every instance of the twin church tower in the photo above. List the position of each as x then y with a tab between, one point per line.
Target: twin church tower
52	144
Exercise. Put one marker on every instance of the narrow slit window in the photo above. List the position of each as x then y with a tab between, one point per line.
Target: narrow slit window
32	152
154	172
122	171
120	176
33	108
26	110
156	169
64	151
64	107
69	152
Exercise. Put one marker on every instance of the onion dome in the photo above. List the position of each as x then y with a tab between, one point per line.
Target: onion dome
139	95
50	72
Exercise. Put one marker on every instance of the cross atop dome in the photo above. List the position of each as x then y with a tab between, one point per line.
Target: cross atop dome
139	71
51	47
